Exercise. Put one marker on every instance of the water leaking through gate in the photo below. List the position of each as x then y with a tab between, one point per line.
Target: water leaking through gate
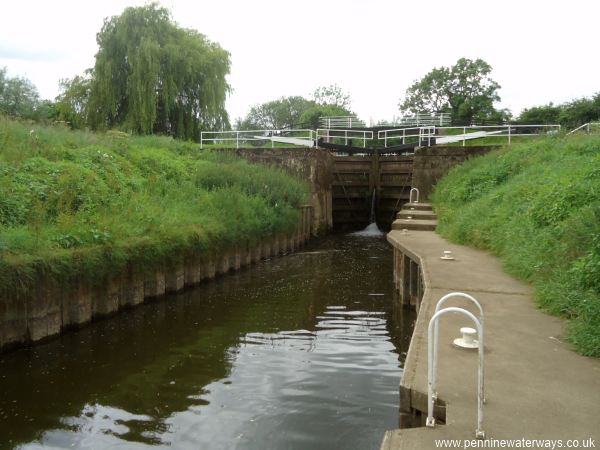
357	177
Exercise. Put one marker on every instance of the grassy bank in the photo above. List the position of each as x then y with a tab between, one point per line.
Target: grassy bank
537	206
81	205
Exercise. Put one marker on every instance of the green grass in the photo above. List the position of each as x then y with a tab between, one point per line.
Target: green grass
493	140
537	206
78	205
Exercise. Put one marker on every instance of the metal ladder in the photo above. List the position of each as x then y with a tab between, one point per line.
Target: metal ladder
432	356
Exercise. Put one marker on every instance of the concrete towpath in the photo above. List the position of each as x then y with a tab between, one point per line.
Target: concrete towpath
536	386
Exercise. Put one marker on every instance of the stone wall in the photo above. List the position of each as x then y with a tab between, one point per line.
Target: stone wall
312	165
49	308
432	163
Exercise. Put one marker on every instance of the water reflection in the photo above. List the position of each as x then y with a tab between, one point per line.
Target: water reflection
298	352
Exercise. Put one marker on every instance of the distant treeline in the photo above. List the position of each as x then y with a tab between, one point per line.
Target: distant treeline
19	99
569	114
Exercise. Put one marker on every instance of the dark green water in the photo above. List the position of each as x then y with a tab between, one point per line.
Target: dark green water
300	352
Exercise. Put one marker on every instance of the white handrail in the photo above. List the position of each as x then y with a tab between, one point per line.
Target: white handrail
426	133
431	342
385	134
420	119
345	134
255	135
438	306
416	190
587	127
340	122
431	134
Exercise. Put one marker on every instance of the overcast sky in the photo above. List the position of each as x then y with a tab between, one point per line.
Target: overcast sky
540	51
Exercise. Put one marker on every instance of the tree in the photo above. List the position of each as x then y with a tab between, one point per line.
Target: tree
19	98
297	111
71	103
580	111
545	114
2	79
276	114
152	76
570	114
310	117
45	112
465	90
332	95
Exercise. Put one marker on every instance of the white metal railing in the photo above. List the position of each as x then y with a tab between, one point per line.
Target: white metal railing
235	138
509	131
329	134
421	135
340	122
445	135
410	195
422	119
431	344
400	133
586	127
427	135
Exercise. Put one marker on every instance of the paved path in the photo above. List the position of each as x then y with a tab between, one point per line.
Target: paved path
536	386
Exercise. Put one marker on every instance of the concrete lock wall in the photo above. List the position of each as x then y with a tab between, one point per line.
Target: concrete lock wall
49	308
409	283
312	165
341	187
432	163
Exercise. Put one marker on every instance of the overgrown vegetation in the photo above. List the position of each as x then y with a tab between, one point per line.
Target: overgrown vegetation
537	206
570	114
83	205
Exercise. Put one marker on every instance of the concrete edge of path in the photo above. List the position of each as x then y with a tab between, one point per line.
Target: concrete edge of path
536	386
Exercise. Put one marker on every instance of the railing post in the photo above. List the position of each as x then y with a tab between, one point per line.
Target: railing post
464	136
201	136
431	340
403	136
509	134
237	139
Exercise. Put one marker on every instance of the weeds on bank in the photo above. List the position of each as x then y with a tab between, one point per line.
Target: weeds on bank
537	206
78	204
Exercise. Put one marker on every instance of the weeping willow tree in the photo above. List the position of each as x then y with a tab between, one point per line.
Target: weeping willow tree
152	76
